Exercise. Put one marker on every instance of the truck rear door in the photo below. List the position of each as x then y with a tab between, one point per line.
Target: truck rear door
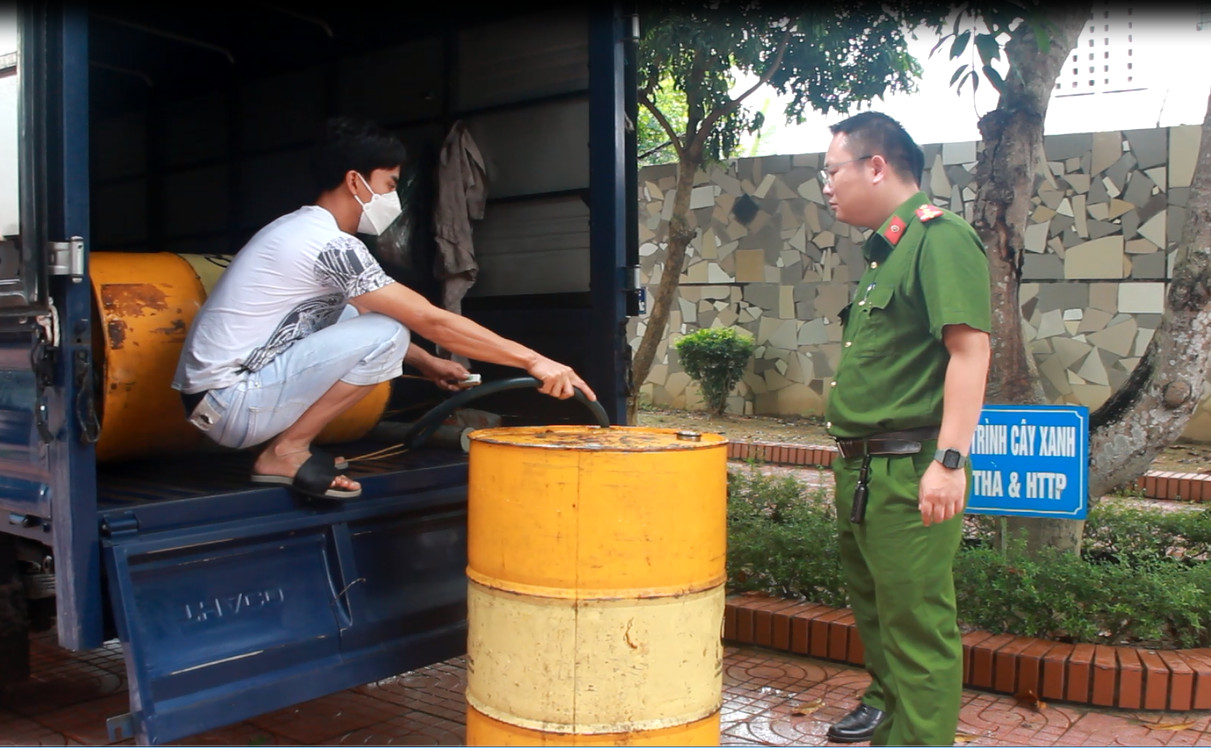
47	475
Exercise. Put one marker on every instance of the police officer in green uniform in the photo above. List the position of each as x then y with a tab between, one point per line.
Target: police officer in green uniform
903	407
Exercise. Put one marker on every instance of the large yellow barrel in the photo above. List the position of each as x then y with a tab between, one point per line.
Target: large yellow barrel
143	304
595	586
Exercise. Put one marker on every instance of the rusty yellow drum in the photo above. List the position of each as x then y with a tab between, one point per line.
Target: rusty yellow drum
143	304
596	568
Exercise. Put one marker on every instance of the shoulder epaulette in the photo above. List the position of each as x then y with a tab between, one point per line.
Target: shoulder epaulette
928	212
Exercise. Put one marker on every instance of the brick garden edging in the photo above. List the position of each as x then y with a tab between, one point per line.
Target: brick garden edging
1154	485
1031	669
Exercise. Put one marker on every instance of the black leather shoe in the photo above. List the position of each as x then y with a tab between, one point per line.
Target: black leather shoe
856	726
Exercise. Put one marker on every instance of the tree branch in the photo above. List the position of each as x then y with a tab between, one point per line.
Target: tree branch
665	125
657	149
709	123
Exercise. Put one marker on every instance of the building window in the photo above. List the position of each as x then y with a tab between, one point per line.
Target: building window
1115	32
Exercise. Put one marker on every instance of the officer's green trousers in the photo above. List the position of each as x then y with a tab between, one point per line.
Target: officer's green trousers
901	589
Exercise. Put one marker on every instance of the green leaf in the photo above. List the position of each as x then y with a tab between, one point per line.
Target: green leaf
988	47
958	74
938	46
994	78
975	81
960	44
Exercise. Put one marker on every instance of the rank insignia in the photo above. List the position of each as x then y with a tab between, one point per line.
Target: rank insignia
928	212
895	230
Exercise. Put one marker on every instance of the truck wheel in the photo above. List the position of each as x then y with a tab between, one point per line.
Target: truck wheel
14	617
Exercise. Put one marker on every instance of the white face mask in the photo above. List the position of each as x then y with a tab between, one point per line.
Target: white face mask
380	212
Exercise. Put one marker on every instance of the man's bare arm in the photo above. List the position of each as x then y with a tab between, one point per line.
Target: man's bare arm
465	337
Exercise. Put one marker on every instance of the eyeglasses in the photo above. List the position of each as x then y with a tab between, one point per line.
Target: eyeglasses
826	175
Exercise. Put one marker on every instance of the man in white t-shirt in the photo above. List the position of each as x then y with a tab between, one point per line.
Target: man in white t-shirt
304	323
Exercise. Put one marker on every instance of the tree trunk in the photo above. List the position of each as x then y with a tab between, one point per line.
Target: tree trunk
1151	409
1013	147
1005	173
679	237
1006	170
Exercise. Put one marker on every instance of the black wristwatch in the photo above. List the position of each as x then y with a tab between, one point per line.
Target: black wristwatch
950	458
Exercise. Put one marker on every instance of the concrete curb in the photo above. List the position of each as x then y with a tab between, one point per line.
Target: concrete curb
1194	487
1033	670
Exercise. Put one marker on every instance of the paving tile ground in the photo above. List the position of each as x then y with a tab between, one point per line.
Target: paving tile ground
769	698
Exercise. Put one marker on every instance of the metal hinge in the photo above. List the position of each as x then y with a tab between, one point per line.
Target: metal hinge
120	525
120	727
636	294
67	258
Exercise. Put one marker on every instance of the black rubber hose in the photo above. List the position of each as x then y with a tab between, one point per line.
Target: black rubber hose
427	424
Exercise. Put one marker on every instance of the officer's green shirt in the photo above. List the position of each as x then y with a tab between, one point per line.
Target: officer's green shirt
921	275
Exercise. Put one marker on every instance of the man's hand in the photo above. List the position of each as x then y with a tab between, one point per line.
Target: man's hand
941	494
558	380
447	374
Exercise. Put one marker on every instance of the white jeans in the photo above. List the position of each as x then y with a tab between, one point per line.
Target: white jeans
359	349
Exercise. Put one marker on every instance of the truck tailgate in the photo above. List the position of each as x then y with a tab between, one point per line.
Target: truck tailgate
231	601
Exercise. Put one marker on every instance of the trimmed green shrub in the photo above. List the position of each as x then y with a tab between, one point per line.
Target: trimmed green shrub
1062	597
715	357
1144	577
1126	533
782	538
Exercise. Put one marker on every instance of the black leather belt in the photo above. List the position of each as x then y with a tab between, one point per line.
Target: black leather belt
888	443
191	401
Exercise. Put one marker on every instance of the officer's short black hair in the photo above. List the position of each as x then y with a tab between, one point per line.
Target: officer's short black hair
874	133
347	144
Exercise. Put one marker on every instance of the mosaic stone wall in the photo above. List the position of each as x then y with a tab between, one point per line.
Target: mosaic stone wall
769	258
